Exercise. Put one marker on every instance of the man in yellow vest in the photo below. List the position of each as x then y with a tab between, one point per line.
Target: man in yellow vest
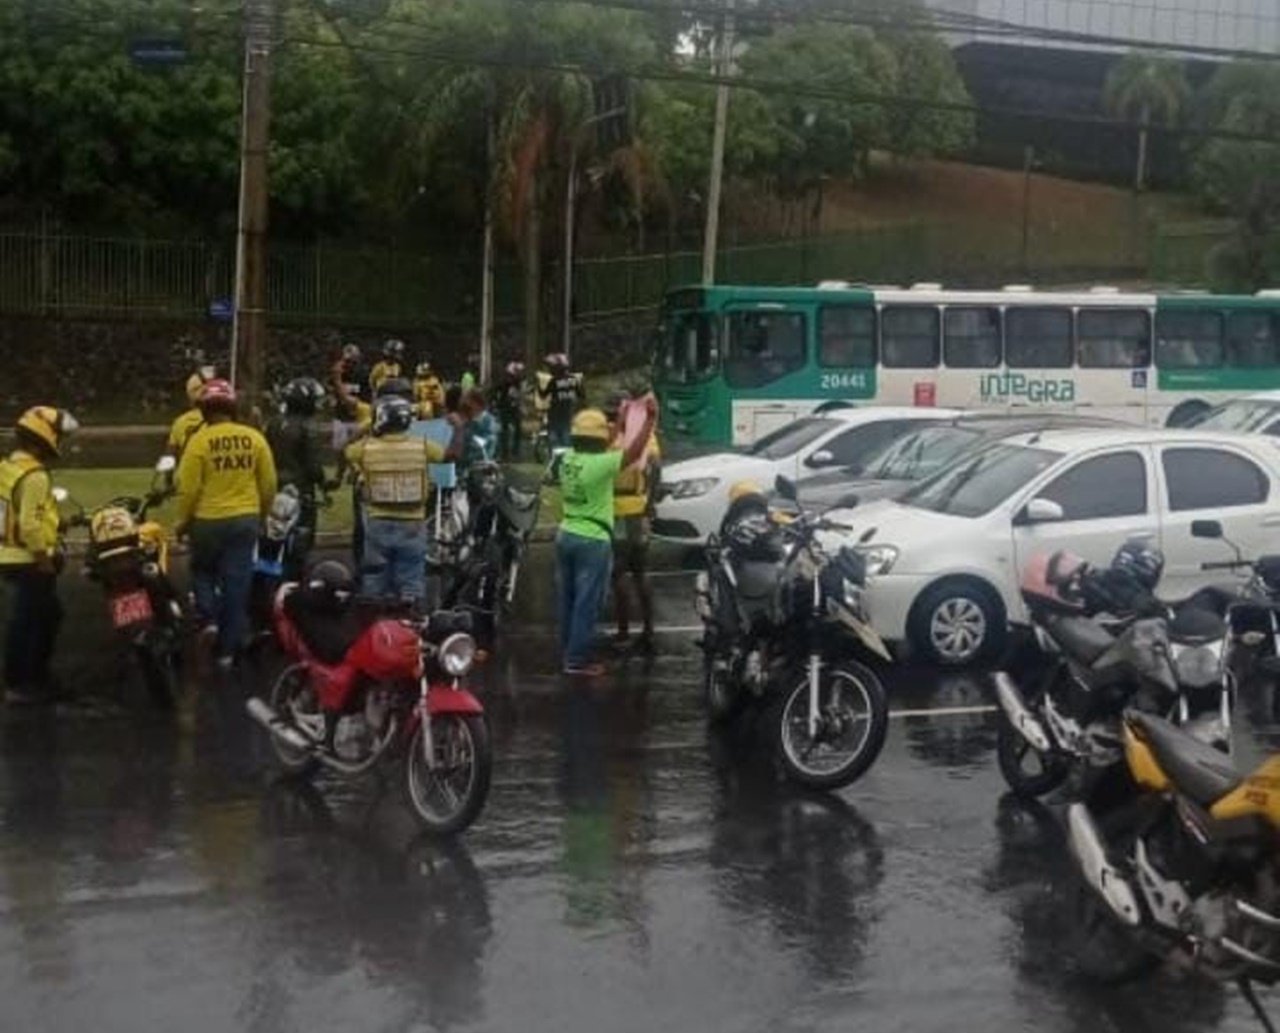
631	530
392	469
29	558
428	392
226	481
391	365
189	422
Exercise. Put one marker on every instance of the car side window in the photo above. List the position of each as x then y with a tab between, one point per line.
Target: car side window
1112	485
855	444
1209	478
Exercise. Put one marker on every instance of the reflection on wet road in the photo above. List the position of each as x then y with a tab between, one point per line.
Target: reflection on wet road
630	873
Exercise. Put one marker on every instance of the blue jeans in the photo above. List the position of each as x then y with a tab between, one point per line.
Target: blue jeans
395	558
582	575
222	573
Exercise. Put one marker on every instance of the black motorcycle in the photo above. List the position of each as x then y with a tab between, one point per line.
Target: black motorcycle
1109	646
784	626
480	568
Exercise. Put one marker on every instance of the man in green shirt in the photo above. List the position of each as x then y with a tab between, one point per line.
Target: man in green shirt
584	547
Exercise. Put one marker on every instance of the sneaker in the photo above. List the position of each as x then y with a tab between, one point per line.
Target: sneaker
592	670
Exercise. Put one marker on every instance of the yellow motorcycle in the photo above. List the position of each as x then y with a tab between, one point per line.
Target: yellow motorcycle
128	555
1189	869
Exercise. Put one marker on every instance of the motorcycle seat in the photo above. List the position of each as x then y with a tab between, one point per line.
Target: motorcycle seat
757	581
329	623
1082	637
1195	768
1196	626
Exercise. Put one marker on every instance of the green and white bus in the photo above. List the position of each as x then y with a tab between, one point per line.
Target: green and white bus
733	363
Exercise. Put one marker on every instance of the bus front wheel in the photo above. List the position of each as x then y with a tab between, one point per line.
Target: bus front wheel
1184	414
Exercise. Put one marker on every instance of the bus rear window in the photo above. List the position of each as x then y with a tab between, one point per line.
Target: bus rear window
909	338
763	346
1038	338
846	336
1113	339
1188	340
1251	339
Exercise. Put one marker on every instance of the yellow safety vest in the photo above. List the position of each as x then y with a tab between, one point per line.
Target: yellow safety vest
13	472
394	470
631	488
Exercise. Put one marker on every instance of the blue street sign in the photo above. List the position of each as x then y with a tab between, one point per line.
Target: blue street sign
157	51
222	310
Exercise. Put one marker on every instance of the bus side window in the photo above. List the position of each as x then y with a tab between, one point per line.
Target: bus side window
764	345
909	337
1038	338
1189	340
971	338
1113	338
846	336
1251	339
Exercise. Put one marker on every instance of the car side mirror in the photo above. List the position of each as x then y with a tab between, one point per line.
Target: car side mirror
1042	511
786	488
822	457
1206	529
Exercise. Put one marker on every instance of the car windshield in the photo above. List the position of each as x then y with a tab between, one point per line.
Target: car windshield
975	484
1241	415
789	439
919	454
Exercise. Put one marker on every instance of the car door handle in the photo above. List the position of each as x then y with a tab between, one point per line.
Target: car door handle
1142	536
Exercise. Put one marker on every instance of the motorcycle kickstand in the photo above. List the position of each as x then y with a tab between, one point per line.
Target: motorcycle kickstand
1251	995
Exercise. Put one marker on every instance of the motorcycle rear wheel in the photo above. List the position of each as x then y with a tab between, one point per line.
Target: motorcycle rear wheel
722	698
159	662
450	797
862	709
291	690
1012	753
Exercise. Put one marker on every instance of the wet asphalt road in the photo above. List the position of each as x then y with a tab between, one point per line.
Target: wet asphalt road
629	873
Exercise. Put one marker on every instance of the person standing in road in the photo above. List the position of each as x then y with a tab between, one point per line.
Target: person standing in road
29	556
631	505
428	392
226	482
564	394
470	378
188	422
584	546
296	451
392	469
391	365
509	404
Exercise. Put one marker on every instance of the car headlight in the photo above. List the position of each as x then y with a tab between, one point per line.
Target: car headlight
691	489
1198	666
880	558
457	654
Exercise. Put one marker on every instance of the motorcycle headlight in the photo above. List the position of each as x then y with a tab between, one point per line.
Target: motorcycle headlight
457	654
691	489
1198	666
852	595
880	558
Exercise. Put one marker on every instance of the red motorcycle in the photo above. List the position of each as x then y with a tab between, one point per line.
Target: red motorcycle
368	682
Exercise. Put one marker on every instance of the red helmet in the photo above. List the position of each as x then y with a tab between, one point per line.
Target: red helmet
1052	579
218	394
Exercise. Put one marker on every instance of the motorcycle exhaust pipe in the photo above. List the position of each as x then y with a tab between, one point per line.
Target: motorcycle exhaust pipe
261	711
1020	716
1086	844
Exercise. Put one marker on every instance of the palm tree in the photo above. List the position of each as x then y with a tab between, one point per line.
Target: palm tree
1149	89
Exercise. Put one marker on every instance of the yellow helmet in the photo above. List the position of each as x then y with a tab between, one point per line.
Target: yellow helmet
590	423
742	489
196	382
48	424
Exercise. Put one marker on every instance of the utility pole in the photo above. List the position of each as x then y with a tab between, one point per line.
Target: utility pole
249	322
486	273
724	67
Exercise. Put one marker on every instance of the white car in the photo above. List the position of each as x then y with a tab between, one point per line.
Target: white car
1257	413
694	493
944	559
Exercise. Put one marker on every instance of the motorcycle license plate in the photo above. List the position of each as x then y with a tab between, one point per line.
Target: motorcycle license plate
130	608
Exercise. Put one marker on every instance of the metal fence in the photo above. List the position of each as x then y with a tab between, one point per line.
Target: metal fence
68	275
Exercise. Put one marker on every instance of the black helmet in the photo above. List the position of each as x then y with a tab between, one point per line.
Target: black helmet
395	387
1141	562
302	395
393	349
392	416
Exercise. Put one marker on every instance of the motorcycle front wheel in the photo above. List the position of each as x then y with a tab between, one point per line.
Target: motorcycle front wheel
1028	772
853	721
292	696
450	796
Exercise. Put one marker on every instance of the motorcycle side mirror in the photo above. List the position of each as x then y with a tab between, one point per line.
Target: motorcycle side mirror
786	488
166	464
1206	529
61	495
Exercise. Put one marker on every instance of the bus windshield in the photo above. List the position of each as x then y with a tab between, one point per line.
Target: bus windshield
976	485
919	454
688	346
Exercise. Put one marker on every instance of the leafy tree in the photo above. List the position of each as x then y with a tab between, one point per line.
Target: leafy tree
1242	177
1150	89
